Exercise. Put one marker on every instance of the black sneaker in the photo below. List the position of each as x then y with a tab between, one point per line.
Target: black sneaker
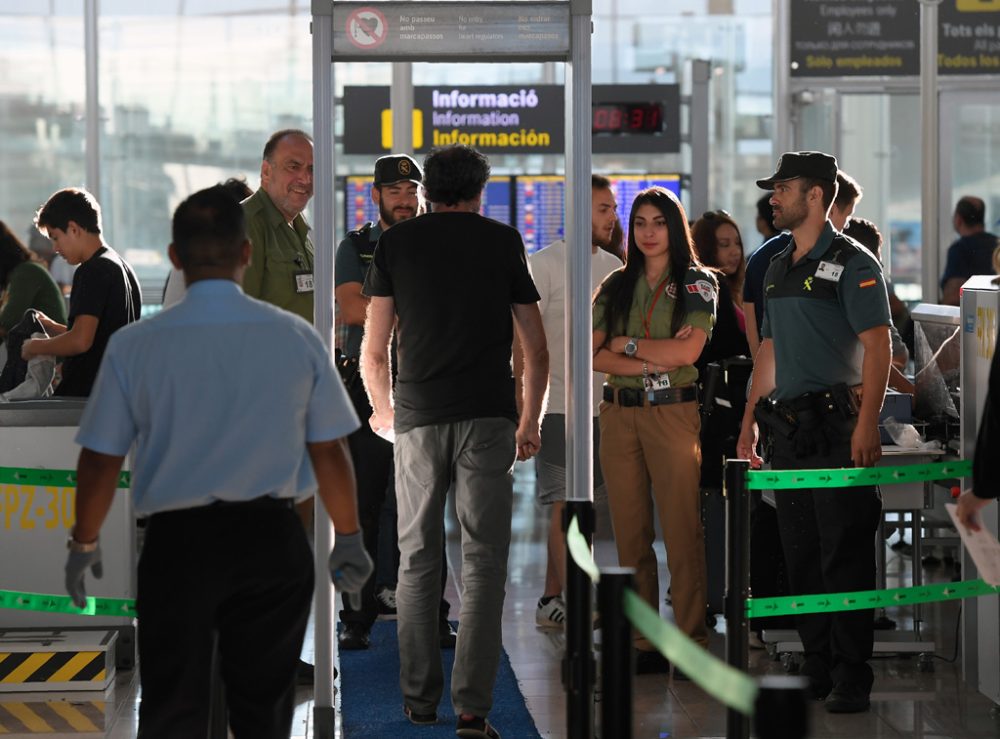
651	663
475	727
353	636
305	674
848	698
447	635
420	719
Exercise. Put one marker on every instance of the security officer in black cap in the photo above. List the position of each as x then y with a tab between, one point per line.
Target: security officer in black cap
818	383
395	190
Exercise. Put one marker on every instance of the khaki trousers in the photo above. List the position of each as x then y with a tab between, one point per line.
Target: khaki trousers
658	446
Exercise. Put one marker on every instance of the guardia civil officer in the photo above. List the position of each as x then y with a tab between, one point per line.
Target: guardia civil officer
821	370
219	466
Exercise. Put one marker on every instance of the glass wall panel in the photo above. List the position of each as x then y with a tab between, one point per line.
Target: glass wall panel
42	127
188	101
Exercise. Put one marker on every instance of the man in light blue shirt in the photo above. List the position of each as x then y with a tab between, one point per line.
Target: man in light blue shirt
237	412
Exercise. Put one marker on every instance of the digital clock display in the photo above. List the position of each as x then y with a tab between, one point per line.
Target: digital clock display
628	118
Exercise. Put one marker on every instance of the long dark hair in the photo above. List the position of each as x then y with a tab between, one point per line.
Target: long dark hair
12	253
706	244
619	287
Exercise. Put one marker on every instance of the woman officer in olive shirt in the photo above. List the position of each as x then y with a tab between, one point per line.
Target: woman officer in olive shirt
651	321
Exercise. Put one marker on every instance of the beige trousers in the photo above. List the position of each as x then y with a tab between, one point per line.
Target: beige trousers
658	446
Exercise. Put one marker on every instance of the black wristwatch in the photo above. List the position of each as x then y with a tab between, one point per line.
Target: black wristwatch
631	347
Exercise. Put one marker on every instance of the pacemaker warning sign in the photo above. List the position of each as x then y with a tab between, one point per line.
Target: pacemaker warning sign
366	28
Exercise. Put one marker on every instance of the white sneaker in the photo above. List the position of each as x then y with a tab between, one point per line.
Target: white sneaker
385	602
551	615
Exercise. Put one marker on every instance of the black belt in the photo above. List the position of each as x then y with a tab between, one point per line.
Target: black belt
633	398
265	502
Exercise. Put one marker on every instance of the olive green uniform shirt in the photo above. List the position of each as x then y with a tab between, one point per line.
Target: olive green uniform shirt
700	295
280	251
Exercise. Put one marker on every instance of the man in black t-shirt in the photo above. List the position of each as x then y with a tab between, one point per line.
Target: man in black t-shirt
105	293
450	281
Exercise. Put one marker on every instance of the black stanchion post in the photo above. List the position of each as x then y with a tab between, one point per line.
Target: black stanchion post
617	657
782	711
218	713
737	583
578	664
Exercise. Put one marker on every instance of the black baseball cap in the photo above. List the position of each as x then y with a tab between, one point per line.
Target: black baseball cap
795	164
396	168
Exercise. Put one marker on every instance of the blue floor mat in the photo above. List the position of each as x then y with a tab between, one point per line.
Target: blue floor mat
372	704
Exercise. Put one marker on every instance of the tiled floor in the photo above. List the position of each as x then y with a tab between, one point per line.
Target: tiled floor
905	703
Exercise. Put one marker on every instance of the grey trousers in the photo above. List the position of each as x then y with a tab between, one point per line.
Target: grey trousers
477	456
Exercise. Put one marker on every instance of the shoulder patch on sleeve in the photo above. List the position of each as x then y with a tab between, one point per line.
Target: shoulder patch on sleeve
704	288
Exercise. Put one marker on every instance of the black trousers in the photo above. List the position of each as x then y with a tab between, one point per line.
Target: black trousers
245	573
375	474
767	562
828	537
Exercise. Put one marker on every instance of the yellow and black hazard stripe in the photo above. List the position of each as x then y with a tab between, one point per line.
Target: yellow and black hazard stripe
53	667
52	717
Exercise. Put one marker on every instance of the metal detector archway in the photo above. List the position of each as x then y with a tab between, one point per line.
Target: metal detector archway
471	32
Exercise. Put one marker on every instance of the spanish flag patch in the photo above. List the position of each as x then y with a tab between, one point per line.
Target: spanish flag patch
868	283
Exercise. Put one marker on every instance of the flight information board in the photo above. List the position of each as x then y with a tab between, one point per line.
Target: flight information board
540	204
627	186
359	208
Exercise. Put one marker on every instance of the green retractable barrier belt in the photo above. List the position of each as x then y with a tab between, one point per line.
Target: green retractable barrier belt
64	604
52	478
862	600
726	684
856	476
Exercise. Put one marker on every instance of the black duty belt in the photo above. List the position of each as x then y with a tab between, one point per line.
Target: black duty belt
633	398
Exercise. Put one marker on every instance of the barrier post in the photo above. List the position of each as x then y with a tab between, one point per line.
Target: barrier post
617	656
218	712
781	710
737	582
578	664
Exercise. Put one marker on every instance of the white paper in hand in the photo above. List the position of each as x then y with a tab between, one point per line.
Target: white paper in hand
982	546
387	434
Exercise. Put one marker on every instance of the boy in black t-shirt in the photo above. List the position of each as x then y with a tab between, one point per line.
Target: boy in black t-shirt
105	294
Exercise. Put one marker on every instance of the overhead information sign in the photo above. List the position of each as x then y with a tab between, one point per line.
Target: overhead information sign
849	38
969	37
515	119
408	31
856	38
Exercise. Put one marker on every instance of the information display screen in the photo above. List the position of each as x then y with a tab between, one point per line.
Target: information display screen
627	186
627	118
540	202
497	200
359	208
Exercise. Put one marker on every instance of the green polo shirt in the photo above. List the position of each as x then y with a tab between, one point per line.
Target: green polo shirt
700	295
280	251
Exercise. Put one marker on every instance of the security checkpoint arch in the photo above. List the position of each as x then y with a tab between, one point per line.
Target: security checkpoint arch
468	32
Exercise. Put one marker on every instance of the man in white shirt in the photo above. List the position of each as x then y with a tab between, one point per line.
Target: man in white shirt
548	269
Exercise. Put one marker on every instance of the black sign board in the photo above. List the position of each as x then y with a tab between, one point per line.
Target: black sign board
504	119
850	38
969	37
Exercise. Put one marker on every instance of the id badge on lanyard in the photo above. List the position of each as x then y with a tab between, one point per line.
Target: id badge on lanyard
657	380
303	282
